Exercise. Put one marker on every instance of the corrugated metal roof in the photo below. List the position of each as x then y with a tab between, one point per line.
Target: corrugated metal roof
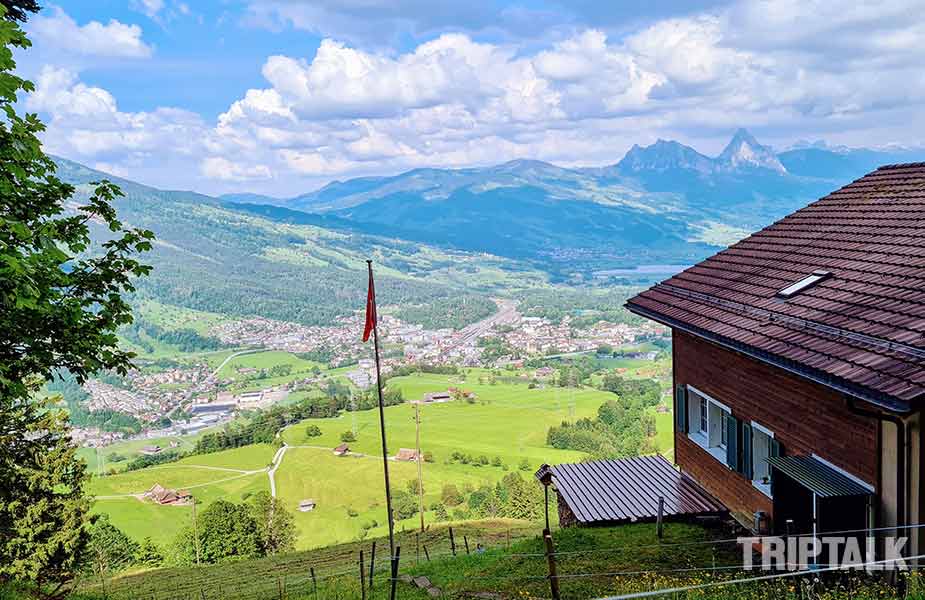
861	329
628	490
817	476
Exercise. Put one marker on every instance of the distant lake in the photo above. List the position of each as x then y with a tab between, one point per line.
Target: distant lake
642	270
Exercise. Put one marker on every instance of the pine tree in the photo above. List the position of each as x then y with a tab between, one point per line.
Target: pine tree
149	554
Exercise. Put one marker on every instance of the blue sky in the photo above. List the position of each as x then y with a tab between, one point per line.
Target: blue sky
281	96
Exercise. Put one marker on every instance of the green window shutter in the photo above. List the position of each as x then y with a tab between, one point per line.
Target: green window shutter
747	467
681	408
776	448
732	443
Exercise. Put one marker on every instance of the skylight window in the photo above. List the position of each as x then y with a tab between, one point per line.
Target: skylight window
807	282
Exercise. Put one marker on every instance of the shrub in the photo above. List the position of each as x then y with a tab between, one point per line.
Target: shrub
451	496
496	461
351	512
348	436
428	457
312	431
524	465
483	460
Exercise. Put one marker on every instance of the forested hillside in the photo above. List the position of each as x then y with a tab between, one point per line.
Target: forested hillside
213	258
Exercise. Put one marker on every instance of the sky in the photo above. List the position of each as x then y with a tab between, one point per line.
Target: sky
282	96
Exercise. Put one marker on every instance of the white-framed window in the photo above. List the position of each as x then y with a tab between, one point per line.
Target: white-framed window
710	415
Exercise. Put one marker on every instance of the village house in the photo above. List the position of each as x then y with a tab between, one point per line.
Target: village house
406	454
150	450
342	450
799	362
162	495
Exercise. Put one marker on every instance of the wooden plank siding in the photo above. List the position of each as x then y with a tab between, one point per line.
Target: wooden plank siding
806	418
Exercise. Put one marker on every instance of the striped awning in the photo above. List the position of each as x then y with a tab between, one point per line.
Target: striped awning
818	477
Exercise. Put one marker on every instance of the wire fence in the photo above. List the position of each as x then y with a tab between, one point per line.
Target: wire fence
336	575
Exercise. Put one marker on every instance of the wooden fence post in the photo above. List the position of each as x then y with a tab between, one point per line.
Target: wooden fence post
395	572
311	570
372	565
417	548
661	514
551	563
466	541
362	577
452	542
426	553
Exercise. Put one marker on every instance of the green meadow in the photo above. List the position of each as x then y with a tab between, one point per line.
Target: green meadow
228	475
507	423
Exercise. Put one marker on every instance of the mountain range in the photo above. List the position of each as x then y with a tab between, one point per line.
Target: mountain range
441	234
663	203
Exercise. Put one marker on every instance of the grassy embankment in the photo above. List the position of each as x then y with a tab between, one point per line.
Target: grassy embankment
592	563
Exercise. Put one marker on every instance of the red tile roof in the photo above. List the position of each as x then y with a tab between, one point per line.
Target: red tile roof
861	330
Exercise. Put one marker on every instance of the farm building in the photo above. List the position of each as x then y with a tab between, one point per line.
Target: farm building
437	397
162	495
306	505
611	492
342	450
406	454
150	450
799	362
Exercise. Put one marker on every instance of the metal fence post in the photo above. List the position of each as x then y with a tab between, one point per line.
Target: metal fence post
661	513
395	571
362	577
372	565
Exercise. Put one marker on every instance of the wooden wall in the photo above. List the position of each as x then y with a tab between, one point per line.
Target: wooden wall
806	418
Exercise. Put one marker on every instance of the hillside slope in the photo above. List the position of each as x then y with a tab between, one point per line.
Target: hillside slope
664	203
211	257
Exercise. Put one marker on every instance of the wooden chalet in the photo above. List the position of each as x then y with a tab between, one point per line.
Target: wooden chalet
342	450
799	362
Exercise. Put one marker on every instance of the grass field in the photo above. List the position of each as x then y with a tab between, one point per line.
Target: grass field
508	421
129	449
228	475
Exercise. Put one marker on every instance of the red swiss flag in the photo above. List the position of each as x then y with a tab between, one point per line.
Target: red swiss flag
370	307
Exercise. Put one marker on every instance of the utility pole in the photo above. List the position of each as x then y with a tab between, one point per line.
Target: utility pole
417	442
195	530
353	411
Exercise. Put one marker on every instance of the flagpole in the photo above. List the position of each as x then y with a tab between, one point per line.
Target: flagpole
385	451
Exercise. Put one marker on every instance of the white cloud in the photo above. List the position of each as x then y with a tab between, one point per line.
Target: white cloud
216	167
85	122
584	99
149	7
114	39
